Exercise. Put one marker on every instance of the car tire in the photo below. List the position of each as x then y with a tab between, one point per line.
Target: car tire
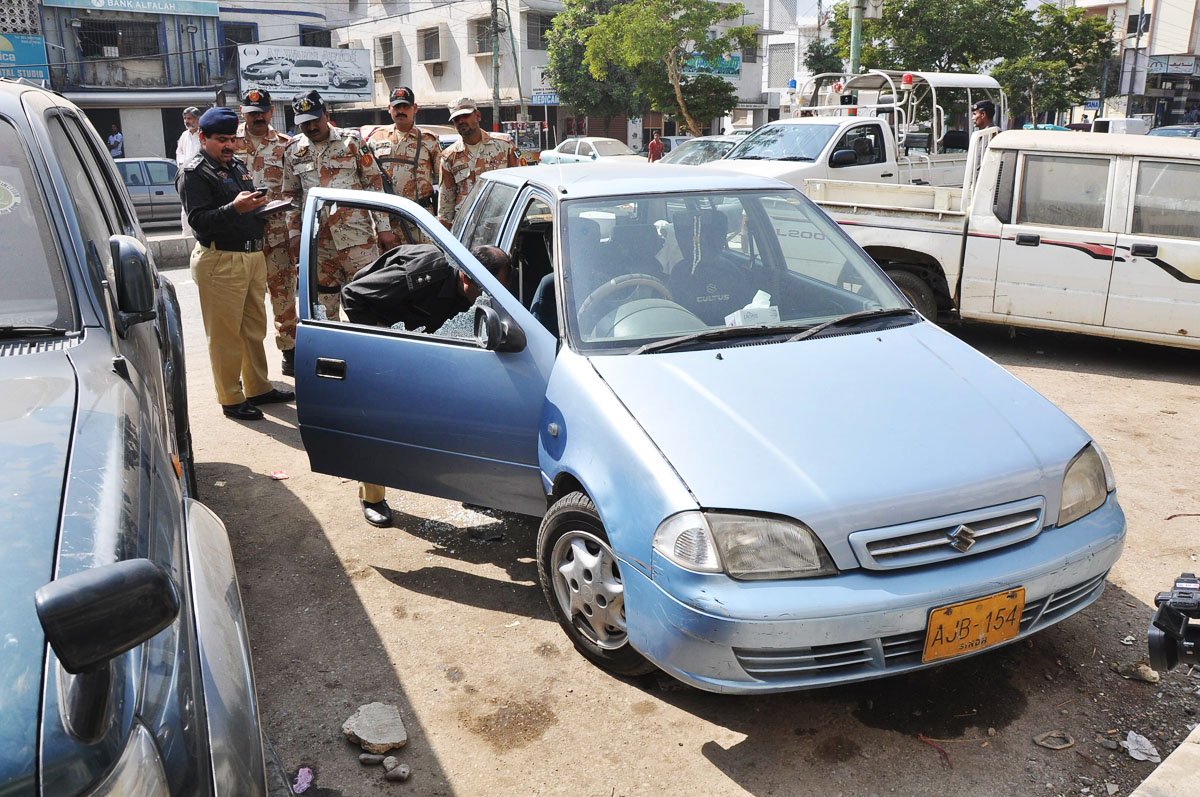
917	291
582	582
335	81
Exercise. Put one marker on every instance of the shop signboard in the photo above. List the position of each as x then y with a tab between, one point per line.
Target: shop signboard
339	75
728	66
198	8
23	56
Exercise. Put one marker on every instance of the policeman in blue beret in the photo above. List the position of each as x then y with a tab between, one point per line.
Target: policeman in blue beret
228	266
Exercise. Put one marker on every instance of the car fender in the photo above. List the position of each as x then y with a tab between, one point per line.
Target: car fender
632	484
230	702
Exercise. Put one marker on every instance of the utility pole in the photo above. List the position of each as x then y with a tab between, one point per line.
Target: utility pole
495	67
856	22
1137	44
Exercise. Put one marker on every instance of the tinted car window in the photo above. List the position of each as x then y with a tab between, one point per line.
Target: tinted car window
490	215
161	172
93	226
35	289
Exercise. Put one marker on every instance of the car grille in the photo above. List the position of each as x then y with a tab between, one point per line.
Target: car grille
934	539
870	658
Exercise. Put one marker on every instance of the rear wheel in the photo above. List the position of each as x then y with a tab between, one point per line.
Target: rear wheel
582	582
917	291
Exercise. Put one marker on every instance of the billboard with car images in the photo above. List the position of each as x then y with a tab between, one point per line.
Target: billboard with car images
340	75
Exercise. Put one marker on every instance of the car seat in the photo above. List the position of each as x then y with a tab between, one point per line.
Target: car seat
863	151
709	281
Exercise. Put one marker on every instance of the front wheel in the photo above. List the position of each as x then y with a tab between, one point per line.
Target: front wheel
917	291
582	582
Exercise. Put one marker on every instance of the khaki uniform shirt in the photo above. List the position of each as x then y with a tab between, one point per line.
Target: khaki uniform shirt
462	165
264	158
340	161
395	152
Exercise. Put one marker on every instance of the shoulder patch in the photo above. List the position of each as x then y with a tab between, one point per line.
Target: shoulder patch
365	159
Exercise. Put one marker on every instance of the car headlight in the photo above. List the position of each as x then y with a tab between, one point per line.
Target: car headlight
749	547
1086	486
139	770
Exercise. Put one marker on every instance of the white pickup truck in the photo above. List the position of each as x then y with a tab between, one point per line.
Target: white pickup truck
1081	232
898	127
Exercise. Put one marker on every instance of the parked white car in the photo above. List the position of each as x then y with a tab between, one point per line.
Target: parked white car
590	148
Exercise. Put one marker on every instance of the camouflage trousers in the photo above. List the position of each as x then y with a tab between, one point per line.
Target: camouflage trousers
336	267
281	284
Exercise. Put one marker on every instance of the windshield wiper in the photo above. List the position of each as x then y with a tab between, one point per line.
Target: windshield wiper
852	319
720	333
795	158
749	158
28	331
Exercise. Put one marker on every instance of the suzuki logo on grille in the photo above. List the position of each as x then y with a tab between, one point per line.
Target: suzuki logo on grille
962	538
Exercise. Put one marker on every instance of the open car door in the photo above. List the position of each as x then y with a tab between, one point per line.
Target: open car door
444	413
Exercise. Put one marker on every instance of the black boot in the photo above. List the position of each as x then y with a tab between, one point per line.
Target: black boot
289	362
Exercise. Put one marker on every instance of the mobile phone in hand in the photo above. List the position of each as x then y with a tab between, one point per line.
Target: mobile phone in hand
260	192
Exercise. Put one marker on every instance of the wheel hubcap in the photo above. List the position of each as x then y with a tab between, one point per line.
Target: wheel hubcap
588	587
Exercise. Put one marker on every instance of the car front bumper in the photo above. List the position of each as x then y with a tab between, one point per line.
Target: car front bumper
721	635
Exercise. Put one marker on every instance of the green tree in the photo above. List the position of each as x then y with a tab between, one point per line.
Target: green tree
936	35
1061	62
569	76
707	96
822	56
668	32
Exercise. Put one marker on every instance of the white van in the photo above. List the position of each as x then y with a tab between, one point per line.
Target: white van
1134	125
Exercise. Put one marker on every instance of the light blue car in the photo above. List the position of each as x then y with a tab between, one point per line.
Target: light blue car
757	467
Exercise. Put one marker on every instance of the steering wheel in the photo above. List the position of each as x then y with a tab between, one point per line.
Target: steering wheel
607	289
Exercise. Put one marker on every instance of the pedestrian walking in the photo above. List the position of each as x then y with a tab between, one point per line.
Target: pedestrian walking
228	267
349	239
463	161
261	147
655	148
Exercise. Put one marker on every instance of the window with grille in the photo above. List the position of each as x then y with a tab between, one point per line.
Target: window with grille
385	51
783	13
102	39
537	26
233	34
481	36
781	64
315	37
431	44
750	55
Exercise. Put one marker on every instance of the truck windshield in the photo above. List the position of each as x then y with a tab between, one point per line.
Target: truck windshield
35	290
639	269
784	141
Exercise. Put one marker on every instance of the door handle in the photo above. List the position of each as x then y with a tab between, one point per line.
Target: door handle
158	193
1028	239
888	174
331	369
1144	250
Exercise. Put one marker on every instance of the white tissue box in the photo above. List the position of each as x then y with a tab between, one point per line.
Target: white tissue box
753	316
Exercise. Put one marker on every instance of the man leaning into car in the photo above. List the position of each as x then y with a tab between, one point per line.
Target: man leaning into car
228	266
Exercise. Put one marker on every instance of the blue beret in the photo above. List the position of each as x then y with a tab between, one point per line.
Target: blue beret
219	122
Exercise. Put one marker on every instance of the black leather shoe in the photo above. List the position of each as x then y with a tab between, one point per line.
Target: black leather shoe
377	514
272	396
289	362
242	412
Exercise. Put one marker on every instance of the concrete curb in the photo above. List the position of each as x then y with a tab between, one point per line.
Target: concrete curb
1177	775
171	249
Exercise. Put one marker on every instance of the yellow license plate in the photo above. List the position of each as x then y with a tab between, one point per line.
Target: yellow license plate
973	625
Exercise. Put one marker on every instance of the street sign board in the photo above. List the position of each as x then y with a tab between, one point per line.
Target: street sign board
544	98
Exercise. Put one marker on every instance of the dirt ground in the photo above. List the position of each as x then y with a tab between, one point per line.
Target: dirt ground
443	617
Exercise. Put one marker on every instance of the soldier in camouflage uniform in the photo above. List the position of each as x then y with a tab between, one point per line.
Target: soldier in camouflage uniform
463	161
407	155
261	147
331	157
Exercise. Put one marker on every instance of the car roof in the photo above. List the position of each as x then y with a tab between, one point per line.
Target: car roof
582	180
1098	143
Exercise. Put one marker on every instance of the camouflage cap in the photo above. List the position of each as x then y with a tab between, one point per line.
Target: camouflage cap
461	107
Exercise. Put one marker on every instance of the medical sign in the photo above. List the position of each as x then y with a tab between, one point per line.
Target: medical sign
339	75
23	56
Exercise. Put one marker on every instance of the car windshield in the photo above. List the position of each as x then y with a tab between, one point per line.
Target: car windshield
35	290
641	269
694	152
777	142
606	148
1185	132
311	64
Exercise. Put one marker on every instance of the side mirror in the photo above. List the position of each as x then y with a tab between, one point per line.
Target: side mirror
843	157
496	334
95	615
135	282
594	155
